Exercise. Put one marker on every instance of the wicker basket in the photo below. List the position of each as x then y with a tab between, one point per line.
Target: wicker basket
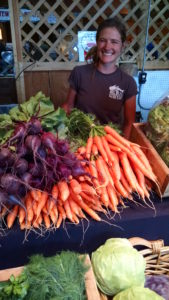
155	254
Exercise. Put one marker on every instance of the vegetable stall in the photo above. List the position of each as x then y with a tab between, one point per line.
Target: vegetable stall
71	182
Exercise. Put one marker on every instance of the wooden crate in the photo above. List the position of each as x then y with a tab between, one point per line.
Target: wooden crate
90	283
158	165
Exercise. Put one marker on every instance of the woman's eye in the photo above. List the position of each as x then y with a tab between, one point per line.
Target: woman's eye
115	42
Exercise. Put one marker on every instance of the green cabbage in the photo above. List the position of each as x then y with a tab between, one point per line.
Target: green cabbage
139	293
118	266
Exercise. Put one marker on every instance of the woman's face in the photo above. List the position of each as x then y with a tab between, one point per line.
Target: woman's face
109	45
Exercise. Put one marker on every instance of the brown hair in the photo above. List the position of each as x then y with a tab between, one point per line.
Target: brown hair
108	23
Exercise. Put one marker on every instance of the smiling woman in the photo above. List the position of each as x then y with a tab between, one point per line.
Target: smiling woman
101	87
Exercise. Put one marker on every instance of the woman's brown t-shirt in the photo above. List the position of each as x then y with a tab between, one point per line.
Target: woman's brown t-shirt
102	94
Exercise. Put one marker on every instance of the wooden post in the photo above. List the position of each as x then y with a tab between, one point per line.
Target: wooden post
17	48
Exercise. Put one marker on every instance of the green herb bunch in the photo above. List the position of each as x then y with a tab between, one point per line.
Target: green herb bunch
59	277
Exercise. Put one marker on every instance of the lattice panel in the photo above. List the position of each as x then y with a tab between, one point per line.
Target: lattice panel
52	27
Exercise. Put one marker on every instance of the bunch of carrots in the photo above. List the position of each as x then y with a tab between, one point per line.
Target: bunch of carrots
118	167
66	201
115	169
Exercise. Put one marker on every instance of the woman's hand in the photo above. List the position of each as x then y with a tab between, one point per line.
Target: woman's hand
70	100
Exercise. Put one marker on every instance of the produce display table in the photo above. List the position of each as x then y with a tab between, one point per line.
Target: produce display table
87	236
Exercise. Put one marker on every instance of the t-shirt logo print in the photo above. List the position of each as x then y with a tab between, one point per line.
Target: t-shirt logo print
115	92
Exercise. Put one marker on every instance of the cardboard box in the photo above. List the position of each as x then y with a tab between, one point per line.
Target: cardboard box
90	283
158	165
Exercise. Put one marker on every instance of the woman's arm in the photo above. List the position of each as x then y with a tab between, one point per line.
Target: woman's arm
129	116
70	100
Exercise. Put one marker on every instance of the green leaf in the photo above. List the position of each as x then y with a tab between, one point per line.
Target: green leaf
29	108
5	120
8	290
62	131
5	135
17	115
46	107
52	121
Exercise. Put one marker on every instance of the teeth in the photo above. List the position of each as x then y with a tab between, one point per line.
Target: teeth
105	53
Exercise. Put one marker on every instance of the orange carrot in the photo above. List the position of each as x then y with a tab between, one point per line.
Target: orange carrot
55	210
129	174
55	191
34	206
42	202
88	198
75	219
94	174
89	147
112	197
63	190
21	214
3	211
61	211
59	221
141	180
37	221
104	197
75	186
107	150
53	216
25	225
12	216
88	189
116	166
50	203
29	207
73	205
120	188
81	178
92	169
67	208
117	136
102	175
134	158
114	148
125	182
85	207
44	209
81	150
115	142
99	144
35	194
46	220
94	150
105	166
138	151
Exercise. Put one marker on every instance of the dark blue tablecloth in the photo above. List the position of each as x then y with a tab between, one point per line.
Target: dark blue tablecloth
16	247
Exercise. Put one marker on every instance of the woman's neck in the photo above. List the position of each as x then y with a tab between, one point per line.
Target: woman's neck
106	68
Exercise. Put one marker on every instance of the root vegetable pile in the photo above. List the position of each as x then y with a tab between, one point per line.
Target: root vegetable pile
111	170
33	159
43	183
